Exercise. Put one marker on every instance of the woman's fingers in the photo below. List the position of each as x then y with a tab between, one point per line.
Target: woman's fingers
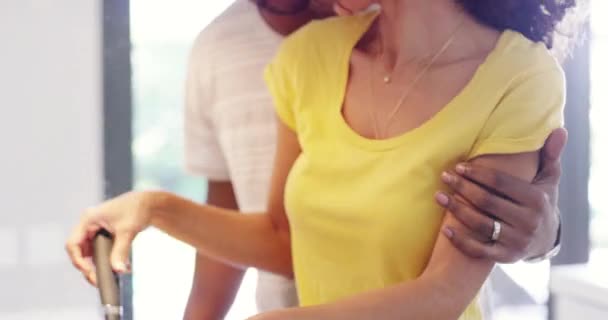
119	258
75	253
79	247
553	148
91	278
123	217
80	258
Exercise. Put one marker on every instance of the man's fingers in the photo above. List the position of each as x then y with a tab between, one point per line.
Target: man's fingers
492	179
554	146
483	199
119	257
500	183
474	248
469	245
480	226
550	164
478	223
550	173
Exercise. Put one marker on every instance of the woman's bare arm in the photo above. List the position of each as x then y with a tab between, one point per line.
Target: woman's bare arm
447	286
257	240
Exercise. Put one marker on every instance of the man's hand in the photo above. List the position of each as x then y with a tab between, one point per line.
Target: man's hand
528	212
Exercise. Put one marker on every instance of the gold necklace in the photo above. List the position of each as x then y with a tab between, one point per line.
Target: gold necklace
387	79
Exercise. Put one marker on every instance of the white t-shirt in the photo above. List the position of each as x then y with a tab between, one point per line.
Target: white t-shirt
230	125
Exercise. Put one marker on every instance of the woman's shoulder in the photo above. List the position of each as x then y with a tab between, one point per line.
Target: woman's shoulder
526	86
521	56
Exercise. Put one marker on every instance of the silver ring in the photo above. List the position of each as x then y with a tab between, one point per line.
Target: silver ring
496	231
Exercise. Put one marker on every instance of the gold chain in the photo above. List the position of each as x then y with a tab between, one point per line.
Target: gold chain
412	85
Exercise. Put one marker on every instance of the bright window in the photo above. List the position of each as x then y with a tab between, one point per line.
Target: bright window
162	32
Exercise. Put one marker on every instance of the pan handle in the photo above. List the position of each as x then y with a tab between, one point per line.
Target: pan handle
107	280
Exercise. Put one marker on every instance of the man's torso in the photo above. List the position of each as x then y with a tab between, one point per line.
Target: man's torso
244	120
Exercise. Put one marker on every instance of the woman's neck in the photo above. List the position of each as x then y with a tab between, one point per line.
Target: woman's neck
411	30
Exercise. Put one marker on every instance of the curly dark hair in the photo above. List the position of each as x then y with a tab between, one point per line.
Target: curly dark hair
535	19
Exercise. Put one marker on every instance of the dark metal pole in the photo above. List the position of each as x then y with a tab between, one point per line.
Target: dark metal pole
117	113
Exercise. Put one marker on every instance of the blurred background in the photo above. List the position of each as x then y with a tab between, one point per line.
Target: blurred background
91	94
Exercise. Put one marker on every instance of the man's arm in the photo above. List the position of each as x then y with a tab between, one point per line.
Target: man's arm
215	284
529	208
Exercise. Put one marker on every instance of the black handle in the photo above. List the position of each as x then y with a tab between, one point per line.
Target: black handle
107	281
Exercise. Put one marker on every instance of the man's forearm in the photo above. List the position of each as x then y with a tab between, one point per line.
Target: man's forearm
214	287
215	284
236	239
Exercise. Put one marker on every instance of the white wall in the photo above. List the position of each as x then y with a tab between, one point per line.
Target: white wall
50	152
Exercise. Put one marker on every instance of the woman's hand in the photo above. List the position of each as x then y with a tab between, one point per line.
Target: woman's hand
124	217
528	212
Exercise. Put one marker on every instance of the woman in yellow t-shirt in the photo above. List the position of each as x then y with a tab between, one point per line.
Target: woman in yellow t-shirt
375	114
374	108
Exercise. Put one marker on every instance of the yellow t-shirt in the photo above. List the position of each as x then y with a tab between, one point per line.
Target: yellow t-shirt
361	211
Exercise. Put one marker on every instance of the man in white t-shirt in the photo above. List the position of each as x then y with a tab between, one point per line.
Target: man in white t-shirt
230	139
230	135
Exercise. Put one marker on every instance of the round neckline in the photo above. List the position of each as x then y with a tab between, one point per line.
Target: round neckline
390	143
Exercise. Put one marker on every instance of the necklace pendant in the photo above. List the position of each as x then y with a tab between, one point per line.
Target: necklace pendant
387	79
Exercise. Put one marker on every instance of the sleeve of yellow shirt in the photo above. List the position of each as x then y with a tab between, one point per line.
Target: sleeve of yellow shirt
525	116
280	85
